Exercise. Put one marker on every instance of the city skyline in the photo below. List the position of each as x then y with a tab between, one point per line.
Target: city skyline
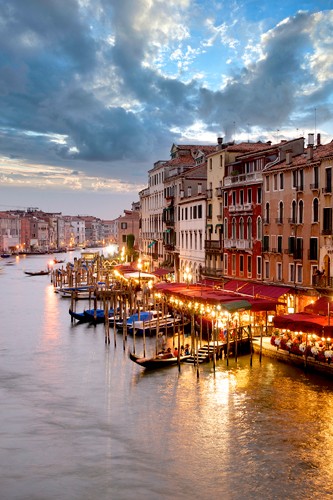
93	93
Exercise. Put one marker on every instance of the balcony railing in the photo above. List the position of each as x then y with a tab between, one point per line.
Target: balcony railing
243	179
212	272
327	190
239	244
169	247
219	192
322	282
213	245
279	220
209	194
327	232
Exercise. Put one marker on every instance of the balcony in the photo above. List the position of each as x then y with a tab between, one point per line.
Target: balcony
213	246
238	244
209	193
219	217
327	232
327	190
322	283
279	220
292	220
300	188
169	223
211	272
250	178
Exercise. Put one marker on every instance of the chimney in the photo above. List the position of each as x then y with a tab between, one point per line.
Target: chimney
318	139
219	140
310	139
289	156
310	152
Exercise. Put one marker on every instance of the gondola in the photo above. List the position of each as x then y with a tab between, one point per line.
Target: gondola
90	315
159	361
37	273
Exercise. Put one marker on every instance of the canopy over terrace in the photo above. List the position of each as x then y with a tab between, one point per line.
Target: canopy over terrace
258	290
302	322
205	294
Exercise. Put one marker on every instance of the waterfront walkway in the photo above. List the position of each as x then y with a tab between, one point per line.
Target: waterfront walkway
309	363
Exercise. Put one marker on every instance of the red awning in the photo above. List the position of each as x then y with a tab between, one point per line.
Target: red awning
304	322
162	271
321	306
256	289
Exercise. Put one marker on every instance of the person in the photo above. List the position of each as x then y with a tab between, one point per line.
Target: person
175	352
187	349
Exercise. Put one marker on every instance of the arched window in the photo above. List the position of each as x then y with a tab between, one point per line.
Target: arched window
267	212
241	228
259	229
249	228
293	211
315	210
233	229
300	211
280	216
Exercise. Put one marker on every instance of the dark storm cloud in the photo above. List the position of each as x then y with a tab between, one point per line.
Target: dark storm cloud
95	102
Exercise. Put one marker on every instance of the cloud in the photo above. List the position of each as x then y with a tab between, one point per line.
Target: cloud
105	87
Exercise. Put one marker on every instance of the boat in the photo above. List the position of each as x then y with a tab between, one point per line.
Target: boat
6	255
90	315
160	361
58	261
37	273
148	321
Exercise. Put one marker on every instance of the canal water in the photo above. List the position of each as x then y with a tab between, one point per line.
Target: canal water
79	420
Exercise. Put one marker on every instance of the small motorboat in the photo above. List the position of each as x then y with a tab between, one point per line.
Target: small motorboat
159	361
148	321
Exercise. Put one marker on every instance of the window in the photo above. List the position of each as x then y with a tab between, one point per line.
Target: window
267	213
327	221
225	264
210	211
267	183
266	269
313	249
281	177
279	271
265	243
195	212
300	211
123	225
249	266
241	228
280	215
291	244
259	195
294	179
299	248
124	238
299	273
225	198
258	267
186	213
275	182
316	177
241	197
249	195
249	229
225	228
233	228
315	210
233	264
199	211
259	229
291	273
279	244
241	264
300	185
293	212
233	197
328	180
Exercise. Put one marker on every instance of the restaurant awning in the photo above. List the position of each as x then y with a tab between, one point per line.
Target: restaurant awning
162	271
256	289
301	322
321	306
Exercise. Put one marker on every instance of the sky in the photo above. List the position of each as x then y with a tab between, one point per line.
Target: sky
93	92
